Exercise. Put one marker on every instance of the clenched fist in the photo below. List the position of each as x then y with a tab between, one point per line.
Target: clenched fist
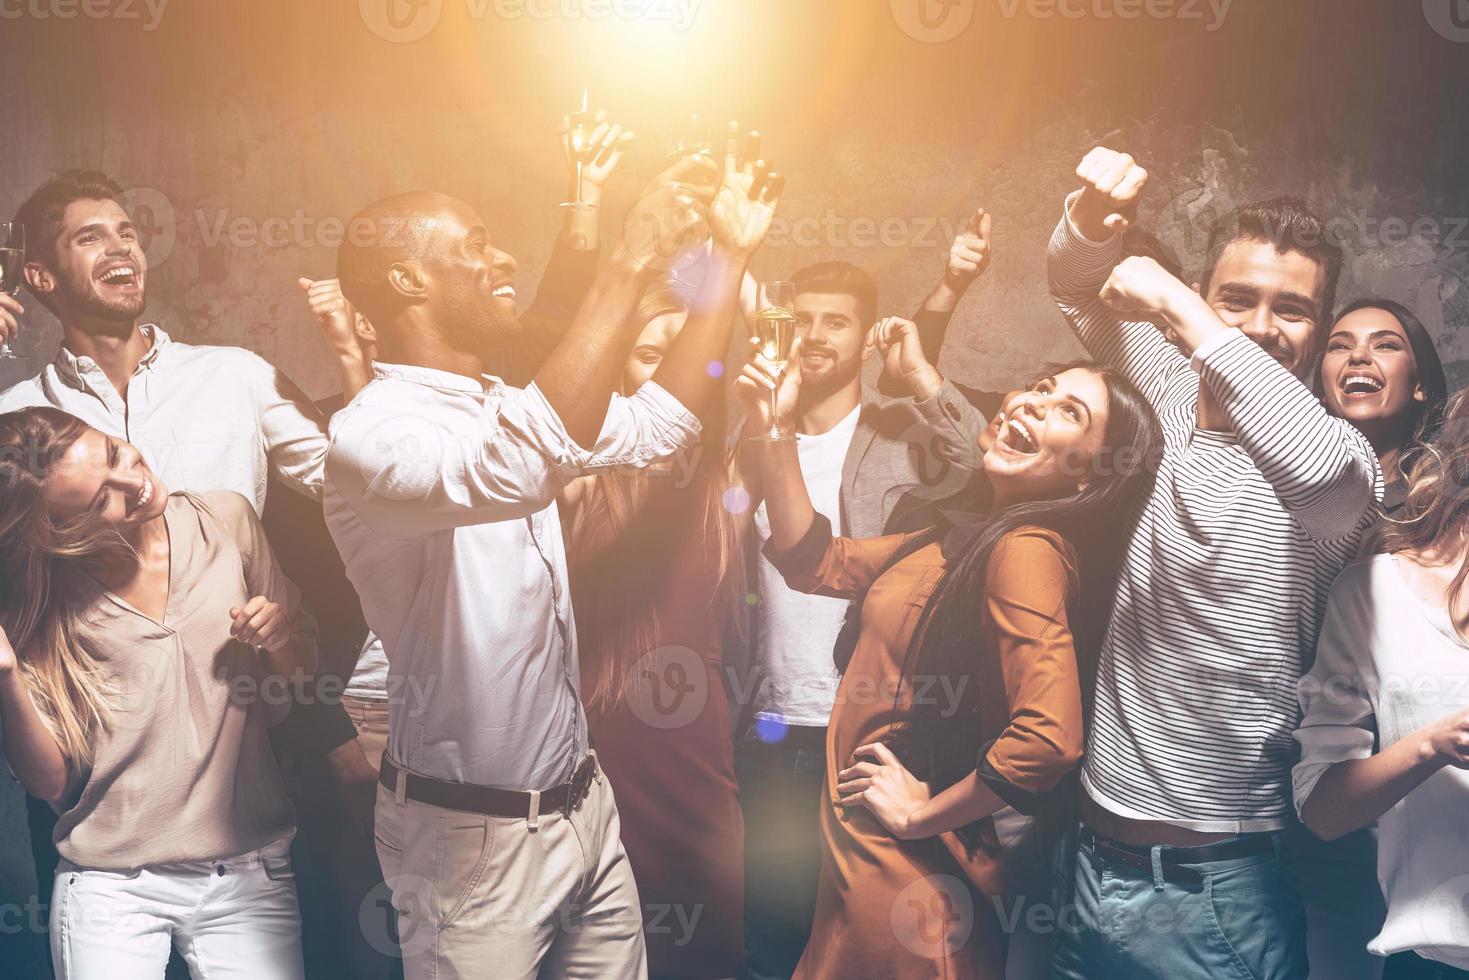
1141	288
1111	185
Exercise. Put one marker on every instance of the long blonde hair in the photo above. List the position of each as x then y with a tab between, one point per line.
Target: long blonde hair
1436	514
48	574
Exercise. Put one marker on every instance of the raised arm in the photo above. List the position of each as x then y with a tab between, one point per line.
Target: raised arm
33	753
579	377
1321	468
1083	250
292	429
969	257
347	333
954	423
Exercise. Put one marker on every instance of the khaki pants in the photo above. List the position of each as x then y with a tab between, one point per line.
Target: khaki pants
370	718
492	897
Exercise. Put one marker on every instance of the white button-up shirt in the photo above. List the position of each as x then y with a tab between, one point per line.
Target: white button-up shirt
441	496
204	418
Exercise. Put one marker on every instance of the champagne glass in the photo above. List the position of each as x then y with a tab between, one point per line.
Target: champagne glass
581	126
690	135
12	261
775	328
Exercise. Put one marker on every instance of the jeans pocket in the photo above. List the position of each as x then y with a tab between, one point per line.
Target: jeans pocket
1257	915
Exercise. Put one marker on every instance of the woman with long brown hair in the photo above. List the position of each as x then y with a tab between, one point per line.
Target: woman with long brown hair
140	633
963	693
1385	728
656	580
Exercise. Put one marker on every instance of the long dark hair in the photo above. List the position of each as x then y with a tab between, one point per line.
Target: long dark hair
1431	377
940	743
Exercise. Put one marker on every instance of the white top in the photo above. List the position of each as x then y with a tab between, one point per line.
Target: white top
798	681
204	418
441	497
1388	664
370	677
1224	582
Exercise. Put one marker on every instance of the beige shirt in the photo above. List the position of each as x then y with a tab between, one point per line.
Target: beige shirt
183	768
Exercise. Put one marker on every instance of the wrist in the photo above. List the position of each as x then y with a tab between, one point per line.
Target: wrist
945	296
924	381
1089	219
914	824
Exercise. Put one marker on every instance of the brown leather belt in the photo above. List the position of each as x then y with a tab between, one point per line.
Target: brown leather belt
486	799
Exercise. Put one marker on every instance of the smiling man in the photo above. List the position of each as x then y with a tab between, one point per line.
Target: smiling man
1261	499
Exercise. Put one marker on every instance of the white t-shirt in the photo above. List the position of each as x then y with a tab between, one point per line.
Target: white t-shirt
1389	663
370	679
797	631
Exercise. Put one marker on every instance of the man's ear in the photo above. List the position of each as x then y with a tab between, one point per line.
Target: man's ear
39	278
407	279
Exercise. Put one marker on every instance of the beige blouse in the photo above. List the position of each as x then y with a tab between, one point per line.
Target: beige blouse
183	768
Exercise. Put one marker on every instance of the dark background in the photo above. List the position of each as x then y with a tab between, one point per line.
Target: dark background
228	110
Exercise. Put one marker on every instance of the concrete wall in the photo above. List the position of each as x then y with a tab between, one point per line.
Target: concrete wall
232	118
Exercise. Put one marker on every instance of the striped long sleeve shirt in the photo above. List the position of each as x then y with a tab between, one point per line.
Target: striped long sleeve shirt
1223	587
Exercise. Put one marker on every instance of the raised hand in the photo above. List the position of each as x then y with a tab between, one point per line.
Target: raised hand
10	310
1111	186
1140	287
897	343
758	378
334	315
969	256
744	206
261	623
670	218
599	156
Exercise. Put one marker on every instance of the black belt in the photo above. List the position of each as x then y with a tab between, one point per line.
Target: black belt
486	799
1174	859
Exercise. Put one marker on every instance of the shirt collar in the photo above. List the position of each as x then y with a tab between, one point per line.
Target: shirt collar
433	377
73	369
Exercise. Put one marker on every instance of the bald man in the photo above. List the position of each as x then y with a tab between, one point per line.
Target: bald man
496	829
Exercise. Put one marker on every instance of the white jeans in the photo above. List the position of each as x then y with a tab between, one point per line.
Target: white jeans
235	917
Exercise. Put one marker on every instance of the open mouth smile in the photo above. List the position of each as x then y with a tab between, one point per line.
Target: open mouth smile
1017	437
1361	385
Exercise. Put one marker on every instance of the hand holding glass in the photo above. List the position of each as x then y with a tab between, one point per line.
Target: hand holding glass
12	261
775	329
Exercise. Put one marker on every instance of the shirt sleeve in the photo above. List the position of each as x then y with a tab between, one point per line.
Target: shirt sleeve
1338	719
844	568
1321	468
292	429
956	425
1025	599
406	473
1078	269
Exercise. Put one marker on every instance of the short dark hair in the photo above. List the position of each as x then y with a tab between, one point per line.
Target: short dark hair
41	214
1290	225
841	277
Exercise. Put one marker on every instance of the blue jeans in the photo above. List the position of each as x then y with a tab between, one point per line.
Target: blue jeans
1243	920
781	787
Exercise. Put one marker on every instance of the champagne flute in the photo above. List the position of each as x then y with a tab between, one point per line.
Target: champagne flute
581	125
12	261
690	135
775	328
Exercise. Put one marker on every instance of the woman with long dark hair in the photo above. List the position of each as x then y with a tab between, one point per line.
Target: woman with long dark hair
1381	372
143	640
1385	729
962	696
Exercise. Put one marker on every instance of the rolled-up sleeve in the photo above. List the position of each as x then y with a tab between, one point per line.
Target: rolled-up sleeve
1025	598
1338	718
648	427
842	568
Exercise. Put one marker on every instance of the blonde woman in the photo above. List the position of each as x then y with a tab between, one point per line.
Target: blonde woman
1385	733
143	639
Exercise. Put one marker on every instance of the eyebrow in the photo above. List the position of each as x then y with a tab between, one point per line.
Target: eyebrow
1374	335
99	226
1247	289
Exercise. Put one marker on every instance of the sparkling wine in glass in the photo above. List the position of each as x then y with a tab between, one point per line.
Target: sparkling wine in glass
690	135
775	328
582	122
12	261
